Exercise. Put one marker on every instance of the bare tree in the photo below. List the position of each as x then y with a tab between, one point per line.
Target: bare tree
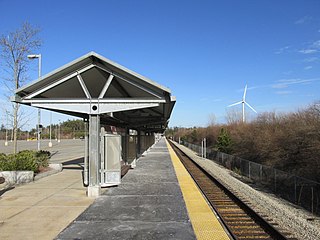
211	120
15	47
233	116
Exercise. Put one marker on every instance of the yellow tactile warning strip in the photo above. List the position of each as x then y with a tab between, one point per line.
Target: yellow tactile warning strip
204	222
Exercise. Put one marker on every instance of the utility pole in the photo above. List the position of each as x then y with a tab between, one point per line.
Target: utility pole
6	142
59	136
50	143
34	56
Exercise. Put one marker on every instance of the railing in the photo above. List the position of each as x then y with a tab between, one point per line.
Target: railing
295	189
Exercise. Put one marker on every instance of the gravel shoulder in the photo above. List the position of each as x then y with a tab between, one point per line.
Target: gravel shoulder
292	219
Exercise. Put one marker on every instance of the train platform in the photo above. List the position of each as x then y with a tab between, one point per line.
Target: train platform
156	200
43	208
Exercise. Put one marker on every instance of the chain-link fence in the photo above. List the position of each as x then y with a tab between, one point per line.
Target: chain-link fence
298	190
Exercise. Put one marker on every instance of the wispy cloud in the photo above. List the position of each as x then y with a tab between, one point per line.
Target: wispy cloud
303	20
311	48
308	51
283	92
311	59
253	87
316	44
308	68
249	88
284	83
283	50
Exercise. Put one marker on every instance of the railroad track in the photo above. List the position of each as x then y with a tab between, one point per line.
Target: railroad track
239	219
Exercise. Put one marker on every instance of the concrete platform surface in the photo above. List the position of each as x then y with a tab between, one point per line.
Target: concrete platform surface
147	205
42	209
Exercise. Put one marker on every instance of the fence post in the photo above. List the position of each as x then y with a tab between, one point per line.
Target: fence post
275	180
312	200
202	148
300	198
205	147
295	189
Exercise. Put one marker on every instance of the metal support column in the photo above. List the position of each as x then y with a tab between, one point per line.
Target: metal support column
125	145
86	153
94	156
139	144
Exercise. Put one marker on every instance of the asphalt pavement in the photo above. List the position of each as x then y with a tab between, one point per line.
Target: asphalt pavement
65	150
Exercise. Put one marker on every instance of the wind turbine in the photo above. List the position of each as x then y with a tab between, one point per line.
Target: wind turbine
243	102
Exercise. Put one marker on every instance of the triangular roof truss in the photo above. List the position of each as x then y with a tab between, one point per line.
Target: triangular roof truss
94	85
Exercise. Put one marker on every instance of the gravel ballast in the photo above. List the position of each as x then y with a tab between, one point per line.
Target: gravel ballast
300	223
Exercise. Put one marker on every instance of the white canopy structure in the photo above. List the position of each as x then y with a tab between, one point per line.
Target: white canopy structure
101	92
94	85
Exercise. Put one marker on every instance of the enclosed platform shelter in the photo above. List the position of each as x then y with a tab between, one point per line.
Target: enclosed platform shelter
101	92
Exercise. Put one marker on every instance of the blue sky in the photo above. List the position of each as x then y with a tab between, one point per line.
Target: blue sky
204	51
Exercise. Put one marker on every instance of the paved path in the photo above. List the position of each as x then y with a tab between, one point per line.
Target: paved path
147	205
42	209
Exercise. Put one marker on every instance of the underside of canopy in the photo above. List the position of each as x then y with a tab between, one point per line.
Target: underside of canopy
94	85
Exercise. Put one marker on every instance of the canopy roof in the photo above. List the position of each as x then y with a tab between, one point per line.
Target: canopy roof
94	85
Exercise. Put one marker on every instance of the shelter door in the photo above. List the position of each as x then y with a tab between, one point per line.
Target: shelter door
110	160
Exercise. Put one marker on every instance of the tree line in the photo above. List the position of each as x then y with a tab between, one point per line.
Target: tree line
66	130
289	142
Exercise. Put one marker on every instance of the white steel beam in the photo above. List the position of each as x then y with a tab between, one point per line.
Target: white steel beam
92	108
83	85
106	86
96	101
62	80
128	81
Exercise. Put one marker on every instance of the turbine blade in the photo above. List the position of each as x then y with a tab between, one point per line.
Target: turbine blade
250	107
235	104
245	92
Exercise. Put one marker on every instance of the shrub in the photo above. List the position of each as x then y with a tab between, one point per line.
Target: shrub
25	160
224	141
288	142
2	156
42	158
7	163
237	170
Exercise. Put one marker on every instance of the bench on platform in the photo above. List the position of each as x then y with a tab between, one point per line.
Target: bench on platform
125	169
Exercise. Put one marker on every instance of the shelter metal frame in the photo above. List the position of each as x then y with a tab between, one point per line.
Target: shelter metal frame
101	92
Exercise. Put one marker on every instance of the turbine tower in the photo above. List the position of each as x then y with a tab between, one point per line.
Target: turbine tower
243	102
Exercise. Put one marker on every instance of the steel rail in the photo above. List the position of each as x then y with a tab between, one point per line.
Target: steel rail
237	224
